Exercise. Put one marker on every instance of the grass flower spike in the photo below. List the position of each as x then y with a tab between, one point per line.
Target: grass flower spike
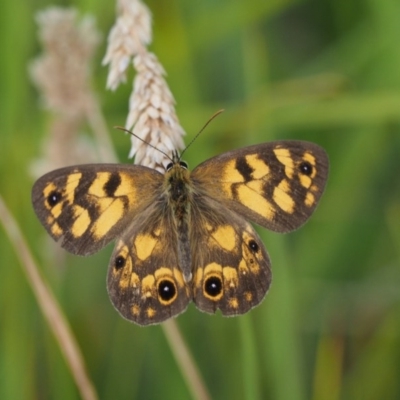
151	115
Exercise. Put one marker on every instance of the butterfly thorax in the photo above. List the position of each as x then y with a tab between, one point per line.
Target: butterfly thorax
177	181
177	187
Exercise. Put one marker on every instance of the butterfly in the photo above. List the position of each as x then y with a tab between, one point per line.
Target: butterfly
184	236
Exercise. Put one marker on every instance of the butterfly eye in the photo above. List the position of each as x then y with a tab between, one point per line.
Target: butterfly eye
254	247
213	286
54	198
119	262
306	168
169	166
183	164
167	291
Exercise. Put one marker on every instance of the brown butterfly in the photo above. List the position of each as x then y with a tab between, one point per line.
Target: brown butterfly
184	236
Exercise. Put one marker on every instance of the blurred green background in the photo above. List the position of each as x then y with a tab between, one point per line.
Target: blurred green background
325	71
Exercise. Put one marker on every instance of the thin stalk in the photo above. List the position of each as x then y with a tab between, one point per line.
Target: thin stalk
49	306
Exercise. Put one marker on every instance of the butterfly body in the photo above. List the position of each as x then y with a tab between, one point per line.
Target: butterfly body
179	198
183	236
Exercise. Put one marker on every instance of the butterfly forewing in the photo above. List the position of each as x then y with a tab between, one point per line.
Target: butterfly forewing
85	207
276	184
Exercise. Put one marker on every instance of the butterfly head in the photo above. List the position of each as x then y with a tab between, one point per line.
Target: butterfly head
176	159
176	162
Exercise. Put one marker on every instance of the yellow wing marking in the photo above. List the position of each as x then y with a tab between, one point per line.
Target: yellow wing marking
261	170
257	186
225	236
81	222
243	268
148	285
56	229
230	277
310	199
144	245
104	203
208	226
135	310
248	296
108	218
213	269
305	181
135	280
72	183
151	312
198	277
282	198
231	174
163	272
57	210
126	187
285	158
255	201
233	302
97	187
179	277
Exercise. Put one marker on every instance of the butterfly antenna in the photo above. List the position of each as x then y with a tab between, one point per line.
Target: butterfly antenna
121	128
202	129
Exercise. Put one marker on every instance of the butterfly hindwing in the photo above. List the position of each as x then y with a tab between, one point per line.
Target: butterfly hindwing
85	207
275	184
234	274
145	283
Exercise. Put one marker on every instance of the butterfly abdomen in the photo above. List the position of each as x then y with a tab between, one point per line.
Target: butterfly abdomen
179	199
